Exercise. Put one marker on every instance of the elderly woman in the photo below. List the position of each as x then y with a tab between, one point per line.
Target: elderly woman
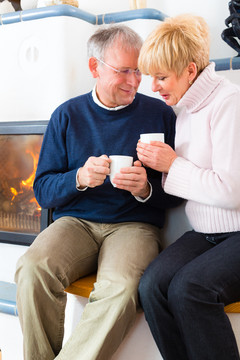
184	291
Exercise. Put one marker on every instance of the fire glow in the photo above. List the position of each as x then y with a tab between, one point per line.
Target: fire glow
27	184
19	209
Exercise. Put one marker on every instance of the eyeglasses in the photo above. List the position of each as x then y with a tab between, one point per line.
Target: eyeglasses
124	72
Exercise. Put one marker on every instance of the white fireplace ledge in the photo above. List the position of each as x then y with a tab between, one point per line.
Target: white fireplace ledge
8	298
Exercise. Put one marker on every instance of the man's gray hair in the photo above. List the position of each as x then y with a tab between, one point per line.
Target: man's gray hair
106	36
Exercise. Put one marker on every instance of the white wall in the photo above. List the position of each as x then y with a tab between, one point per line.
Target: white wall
214	12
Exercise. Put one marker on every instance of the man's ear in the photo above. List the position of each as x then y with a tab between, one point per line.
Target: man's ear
93	65
192	71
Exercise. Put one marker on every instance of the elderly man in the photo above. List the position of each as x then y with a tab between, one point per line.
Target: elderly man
112	229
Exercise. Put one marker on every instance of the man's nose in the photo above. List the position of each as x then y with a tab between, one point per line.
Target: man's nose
134	79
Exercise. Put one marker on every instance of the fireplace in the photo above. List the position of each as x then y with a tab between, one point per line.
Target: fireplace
21	217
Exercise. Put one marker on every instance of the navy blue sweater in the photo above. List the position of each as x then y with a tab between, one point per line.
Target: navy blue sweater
79	128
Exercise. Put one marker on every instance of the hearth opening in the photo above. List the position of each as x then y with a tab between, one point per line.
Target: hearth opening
21	217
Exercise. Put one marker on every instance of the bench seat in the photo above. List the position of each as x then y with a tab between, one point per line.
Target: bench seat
84	286
81	287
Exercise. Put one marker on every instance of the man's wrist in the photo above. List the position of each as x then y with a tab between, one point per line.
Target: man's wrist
141	199
146	194
78	185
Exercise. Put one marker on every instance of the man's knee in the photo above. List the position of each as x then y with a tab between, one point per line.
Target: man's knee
30	269
123	291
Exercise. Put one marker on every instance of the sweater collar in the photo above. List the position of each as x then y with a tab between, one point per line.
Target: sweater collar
98	102
197	94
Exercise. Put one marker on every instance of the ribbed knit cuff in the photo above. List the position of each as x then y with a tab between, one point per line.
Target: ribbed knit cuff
177	182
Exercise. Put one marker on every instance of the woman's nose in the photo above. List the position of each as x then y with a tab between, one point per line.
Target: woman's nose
155	85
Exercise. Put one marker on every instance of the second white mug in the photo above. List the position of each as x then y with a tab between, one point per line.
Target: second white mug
146	138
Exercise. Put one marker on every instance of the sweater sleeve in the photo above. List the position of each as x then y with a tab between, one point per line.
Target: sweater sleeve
219	185
55	183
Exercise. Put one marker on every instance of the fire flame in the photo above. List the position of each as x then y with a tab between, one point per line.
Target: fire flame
29	181
14	192
27	184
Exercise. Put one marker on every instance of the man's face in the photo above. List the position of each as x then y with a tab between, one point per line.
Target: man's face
113	88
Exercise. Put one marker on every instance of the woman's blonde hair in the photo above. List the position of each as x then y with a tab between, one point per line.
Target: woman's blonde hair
174	44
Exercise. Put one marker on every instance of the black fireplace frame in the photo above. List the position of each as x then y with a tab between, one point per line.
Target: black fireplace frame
33	127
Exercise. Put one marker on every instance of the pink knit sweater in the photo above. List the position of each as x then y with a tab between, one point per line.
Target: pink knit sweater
207	170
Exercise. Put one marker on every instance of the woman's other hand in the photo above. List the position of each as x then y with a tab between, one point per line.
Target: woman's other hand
156	155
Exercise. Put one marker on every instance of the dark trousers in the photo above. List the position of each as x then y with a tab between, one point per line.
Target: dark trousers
183	293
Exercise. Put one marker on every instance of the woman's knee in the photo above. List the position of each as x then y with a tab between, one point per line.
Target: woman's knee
145	286
184	291
151	284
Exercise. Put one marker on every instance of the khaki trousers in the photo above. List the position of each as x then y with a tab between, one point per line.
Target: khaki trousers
67	250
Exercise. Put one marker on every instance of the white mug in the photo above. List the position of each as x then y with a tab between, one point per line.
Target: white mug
146	138
118	162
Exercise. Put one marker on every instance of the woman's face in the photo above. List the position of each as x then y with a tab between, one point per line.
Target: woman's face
171	87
